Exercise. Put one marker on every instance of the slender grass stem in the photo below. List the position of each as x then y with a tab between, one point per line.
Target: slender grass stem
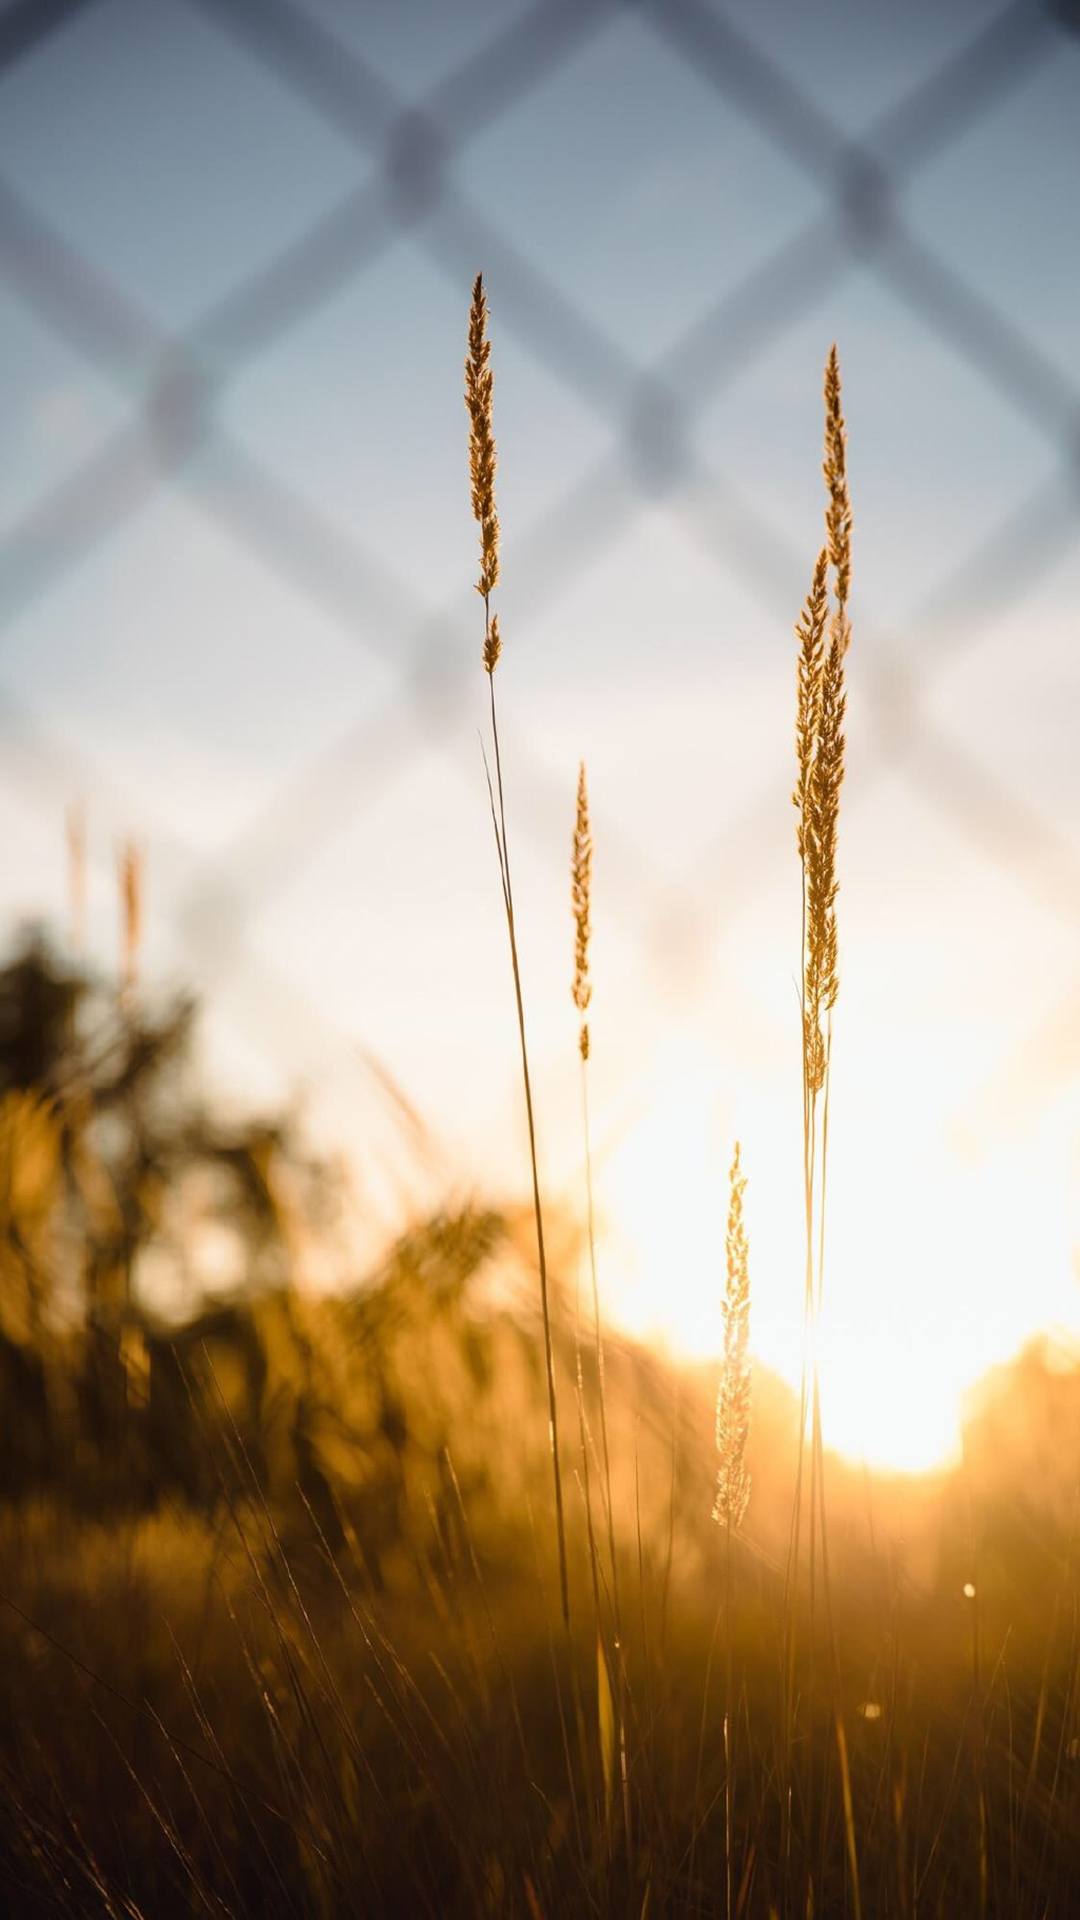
479	390
538	1211
616	1606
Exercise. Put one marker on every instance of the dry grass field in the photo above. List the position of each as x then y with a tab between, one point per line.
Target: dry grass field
438	1595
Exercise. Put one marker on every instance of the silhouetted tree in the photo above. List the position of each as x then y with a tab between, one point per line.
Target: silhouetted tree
110	1162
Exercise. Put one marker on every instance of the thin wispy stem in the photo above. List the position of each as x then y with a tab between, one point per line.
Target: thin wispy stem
581	859
479	394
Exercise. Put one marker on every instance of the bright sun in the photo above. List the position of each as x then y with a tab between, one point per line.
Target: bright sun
921	1297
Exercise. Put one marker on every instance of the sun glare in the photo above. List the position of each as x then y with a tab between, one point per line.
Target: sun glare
920	1300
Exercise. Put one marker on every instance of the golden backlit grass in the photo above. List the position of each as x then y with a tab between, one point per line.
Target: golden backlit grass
479	401
215	1709
323	1621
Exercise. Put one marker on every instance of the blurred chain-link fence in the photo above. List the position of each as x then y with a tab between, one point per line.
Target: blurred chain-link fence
173	386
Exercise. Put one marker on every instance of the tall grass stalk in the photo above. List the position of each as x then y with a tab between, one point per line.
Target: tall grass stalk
581	859
479	388
823	632
733	1478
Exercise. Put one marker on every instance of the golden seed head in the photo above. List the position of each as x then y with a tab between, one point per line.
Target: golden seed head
834	466
492	644
479	384
810	633
821	980
580	900
733	1396
819	736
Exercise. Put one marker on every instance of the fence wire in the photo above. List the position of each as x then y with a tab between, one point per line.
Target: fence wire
173	387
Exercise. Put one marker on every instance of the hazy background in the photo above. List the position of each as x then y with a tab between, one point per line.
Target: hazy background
236	245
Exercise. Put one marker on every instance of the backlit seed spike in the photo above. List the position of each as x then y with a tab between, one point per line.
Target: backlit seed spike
823	816
733	1396
810	633
838	512
492	644
580	897
479	385
819	734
